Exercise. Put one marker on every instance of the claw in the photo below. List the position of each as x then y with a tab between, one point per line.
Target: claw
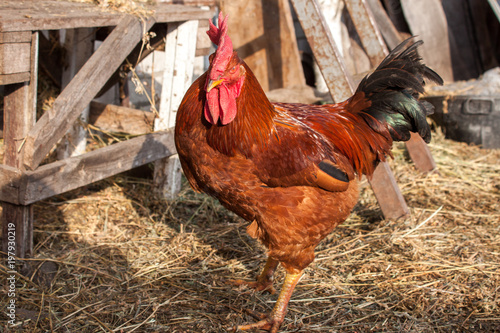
265	324
256	285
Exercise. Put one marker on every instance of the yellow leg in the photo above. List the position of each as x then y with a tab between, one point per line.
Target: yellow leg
265	279
277	315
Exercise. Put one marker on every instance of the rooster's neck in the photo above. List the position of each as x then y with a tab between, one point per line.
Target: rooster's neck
253	124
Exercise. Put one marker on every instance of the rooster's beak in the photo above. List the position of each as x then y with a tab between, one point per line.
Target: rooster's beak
212	84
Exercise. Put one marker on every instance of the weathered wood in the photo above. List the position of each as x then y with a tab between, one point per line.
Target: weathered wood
420	153
266	41
10	182
15	58
15	37
326	53
65	175
80	91
19	116
387	192
14	78
30	15
115	118
387	29
368	32
203	43
79	46
427	20
180	48
177	70
283	53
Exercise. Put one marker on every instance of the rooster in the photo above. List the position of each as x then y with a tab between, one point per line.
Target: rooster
291	170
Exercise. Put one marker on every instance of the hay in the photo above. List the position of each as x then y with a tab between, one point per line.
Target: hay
127	261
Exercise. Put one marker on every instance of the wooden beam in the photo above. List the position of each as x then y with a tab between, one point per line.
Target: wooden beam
81	90
326	53
14	78
387	29
427	20
114	118
266	41
387	192
68	174
55	14
420	153
180	48
19	116
10	182
367	29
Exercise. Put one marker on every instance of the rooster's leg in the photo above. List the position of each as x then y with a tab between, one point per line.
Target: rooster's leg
265	279
273	322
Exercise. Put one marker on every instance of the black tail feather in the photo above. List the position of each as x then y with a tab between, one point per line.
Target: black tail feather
393	90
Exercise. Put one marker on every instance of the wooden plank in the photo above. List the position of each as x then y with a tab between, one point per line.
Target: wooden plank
427	20
387	29
19	117
180	48
178	70
420	153
79	46
367	29
14	78
326	53
285	68
15	37
79	92
15	58
10	182
115	118
265	39
54	14
203	44
65	175
387	192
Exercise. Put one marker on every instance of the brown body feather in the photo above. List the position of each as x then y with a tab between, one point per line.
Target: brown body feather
264	165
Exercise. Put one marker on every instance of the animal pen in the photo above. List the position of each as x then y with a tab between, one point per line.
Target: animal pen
111	254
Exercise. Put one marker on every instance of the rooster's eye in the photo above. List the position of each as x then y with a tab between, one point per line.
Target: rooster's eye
232	70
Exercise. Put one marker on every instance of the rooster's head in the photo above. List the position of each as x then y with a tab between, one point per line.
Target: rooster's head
225	78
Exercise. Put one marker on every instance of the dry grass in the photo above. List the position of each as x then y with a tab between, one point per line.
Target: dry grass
127	261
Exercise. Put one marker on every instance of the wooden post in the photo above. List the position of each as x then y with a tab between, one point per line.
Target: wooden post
180	48
19	117
79	46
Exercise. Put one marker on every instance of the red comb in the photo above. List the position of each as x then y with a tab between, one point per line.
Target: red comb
215	33
223	54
